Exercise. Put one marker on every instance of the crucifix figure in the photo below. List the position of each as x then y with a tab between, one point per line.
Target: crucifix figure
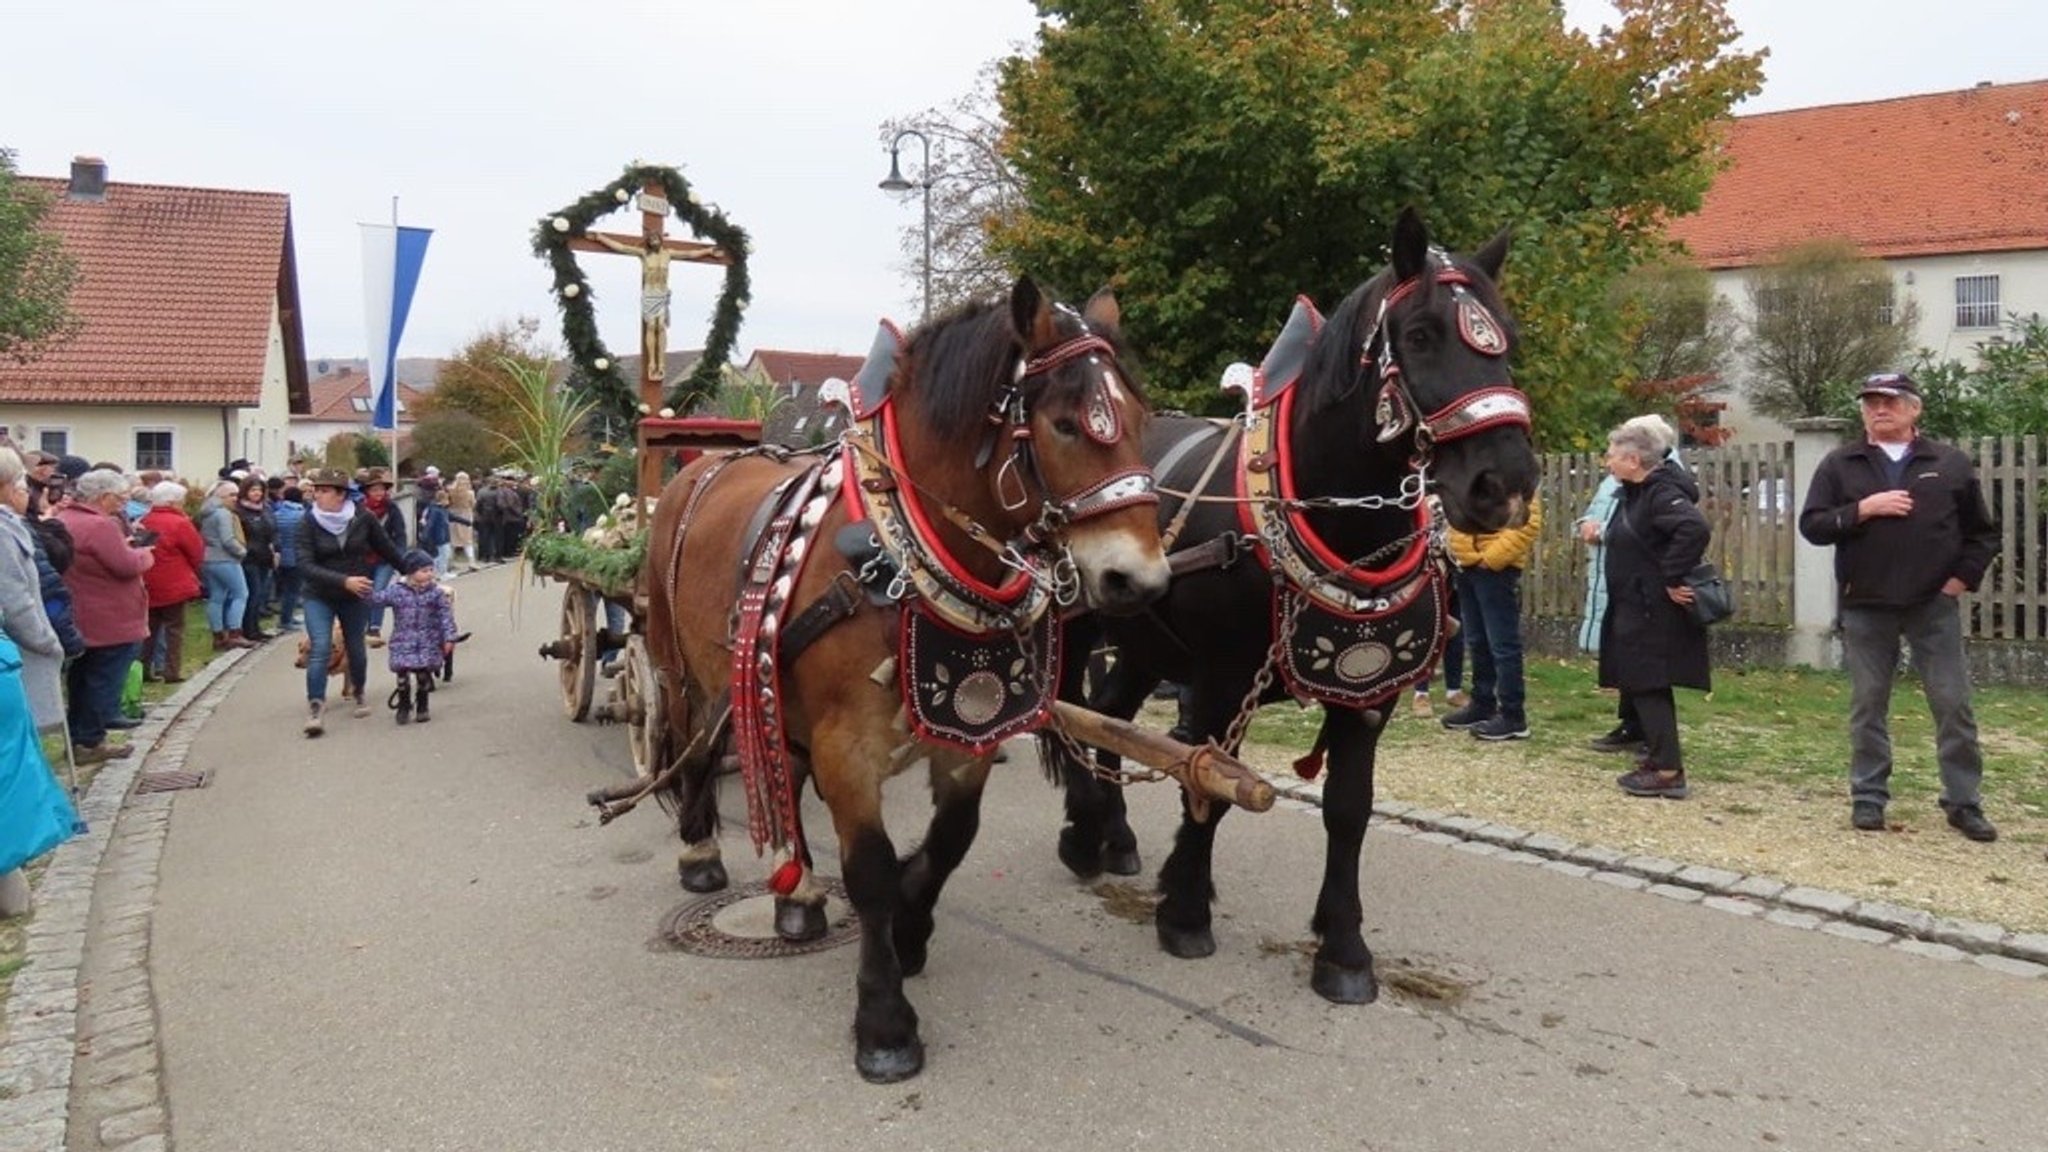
654	251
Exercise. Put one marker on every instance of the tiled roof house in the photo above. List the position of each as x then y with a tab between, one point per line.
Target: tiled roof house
1950	189
340	402
801	421
192	351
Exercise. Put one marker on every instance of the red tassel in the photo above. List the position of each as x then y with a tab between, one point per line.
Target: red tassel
1310	765
785	879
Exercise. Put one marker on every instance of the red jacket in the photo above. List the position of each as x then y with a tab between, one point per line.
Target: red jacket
179	553
105	578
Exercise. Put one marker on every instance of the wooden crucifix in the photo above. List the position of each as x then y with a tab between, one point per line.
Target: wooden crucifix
654	251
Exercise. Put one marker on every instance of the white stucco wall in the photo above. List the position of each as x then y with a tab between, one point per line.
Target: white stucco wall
261	433
1928	281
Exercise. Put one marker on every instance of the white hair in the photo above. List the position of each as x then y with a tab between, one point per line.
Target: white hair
1659	429
101	482
167	493
11	467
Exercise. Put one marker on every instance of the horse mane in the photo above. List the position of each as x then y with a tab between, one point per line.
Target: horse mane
1333	359
976	349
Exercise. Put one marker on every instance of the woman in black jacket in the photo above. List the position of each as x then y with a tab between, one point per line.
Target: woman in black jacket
340	546
259	563
1649	642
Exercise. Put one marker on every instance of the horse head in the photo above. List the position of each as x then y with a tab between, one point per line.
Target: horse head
1031	425
1432	338
1076	465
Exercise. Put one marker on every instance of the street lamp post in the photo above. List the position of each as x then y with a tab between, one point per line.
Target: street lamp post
894	182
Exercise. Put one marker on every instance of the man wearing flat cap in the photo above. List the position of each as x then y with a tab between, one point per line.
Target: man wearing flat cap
1911	534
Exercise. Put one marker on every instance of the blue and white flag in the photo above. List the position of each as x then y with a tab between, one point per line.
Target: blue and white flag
391	270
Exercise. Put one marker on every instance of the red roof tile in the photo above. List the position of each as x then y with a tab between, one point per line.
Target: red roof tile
804	367
176	287
1919	175
334	396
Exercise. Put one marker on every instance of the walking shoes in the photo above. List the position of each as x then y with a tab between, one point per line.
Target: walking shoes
1469	716
1969	820
1650	783
1866	816
1499	727
1619	740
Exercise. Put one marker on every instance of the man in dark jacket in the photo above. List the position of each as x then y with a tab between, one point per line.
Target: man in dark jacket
1911	534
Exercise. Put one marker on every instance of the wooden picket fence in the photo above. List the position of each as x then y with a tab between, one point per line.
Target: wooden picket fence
1746	493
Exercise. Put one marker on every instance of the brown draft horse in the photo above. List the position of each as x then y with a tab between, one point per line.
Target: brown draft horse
1014	444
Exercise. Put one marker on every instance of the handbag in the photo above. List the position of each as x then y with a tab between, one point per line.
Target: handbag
1713	600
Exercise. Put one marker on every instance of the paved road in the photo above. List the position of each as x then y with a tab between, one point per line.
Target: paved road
416	939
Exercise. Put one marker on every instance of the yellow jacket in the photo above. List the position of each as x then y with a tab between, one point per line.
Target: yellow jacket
1498	551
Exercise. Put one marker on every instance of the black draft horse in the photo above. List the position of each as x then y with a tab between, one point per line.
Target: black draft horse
1405	385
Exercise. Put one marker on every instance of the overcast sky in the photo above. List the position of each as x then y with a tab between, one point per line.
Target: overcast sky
481	117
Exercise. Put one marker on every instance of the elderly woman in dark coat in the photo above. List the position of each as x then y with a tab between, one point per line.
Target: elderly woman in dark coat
1649	642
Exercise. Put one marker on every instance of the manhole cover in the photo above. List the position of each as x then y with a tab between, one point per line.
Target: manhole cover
169	781
739	924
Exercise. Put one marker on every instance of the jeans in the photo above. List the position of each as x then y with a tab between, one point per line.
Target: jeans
380	578
93	683
1453	662
1491	605
258	577
320	617
226	593
441	557
1870	649
288	588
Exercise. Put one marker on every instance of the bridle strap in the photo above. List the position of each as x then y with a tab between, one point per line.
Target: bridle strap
1397	413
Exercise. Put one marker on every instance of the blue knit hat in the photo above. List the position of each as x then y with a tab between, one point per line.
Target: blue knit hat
413	561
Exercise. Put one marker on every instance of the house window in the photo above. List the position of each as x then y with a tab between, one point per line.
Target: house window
1888	308
153	449
55	441
1976	301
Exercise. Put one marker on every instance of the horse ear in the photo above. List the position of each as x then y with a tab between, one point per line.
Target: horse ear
1103	311
1031	314
1411	245
1495	254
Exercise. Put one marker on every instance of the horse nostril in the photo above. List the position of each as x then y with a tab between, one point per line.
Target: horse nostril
1116	585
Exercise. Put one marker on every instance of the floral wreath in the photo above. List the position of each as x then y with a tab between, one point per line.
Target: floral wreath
572	292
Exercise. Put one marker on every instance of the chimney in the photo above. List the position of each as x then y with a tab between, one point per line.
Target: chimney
88	179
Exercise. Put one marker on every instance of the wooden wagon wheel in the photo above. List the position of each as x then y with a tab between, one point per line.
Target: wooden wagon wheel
646	718
578	651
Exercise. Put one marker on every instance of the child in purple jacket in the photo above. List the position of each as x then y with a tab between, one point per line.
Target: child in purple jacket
422	633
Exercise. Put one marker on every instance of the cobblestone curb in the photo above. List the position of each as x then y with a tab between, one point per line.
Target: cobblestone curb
1992	946
80	1016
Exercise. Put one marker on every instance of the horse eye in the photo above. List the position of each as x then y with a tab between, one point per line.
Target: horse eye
1066	426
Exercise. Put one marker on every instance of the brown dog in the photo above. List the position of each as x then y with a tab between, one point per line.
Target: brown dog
337	656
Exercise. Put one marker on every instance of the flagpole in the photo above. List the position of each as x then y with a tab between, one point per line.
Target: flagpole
393	382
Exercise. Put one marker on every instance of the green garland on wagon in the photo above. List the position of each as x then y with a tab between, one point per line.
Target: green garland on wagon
610	570
579	319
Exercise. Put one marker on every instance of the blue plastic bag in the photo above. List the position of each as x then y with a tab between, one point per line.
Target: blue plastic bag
35	814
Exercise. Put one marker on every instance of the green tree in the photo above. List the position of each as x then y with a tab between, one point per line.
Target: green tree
1680	337
2004	394
1821	318
455	442
1216	157
483	379
36	273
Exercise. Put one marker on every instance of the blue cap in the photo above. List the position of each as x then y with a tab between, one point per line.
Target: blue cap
413	561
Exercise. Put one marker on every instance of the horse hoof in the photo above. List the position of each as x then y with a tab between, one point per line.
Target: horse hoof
1123	861
889	1065
702	876
1083	860
1344	985
799	923
1187	944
